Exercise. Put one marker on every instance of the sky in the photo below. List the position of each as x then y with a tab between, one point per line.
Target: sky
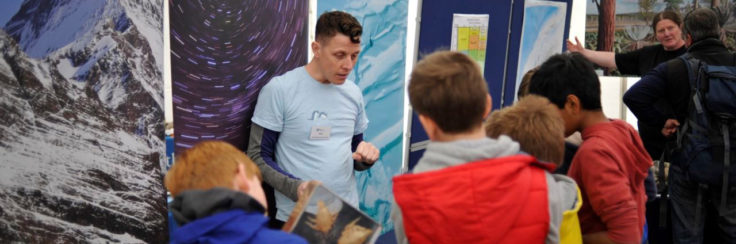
8	8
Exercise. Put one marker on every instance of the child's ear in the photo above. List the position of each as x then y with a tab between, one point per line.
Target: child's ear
241	182
489	104
429	126
572	104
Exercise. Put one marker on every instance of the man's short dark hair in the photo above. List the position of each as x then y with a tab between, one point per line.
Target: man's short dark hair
565	74
702	23
331	23
448	87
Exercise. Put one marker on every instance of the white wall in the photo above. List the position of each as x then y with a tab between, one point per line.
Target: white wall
577	20
312	27
168	104
412	47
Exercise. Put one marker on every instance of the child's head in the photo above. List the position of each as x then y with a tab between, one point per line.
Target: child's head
215	164
568	81
533	122
448	88
524	85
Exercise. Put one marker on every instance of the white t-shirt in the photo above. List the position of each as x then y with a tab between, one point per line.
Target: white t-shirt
298	106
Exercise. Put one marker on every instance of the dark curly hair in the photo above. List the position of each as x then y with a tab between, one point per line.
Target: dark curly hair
331	23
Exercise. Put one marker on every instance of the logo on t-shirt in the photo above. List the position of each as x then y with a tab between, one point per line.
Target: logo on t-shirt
318	115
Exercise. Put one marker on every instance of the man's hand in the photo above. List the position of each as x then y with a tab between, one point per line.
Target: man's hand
575	47
366	153
670	127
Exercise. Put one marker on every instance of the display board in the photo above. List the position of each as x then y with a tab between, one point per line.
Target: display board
542	33
502	52
82	122
222	54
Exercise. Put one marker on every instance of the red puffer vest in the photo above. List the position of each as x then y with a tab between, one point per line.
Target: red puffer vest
500	200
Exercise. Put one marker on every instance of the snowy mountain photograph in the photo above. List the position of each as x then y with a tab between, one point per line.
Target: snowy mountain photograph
81	122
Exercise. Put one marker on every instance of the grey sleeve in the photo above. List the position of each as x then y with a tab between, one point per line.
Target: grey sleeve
398	224
360	166
278	180
562	195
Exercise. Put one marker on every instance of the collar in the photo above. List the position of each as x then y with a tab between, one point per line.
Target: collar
706	44
196	204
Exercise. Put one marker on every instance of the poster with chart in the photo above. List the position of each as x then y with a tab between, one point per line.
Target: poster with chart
469	36
542	34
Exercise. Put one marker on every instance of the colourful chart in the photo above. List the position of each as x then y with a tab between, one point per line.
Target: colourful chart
470	34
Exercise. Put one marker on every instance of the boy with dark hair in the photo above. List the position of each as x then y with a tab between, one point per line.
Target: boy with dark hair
468	188
611	163
218	197
308	123
571	142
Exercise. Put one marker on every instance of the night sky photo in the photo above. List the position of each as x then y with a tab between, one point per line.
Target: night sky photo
222	53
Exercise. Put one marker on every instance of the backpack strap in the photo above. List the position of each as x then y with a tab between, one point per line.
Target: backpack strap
699	204
726	166
690	63
693	66
686	58
725	126
663	196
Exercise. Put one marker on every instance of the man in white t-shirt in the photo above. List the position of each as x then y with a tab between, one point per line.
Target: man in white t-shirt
308	123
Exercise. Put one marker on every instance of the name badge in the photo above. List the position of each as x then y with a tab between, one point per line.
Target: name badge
320	133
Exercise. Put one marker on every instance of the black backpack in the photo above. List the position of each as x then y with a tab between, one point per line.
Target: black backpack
707	138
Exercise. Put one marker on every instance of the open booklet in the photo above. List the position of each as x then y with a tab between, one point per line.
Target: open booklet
321	216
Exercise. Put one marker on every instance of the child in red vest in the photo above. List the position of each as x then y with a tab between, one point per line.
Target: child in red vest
468	188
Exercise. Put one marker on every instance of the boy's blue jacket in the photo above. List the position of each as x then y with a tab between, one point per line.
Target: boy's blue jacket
221	215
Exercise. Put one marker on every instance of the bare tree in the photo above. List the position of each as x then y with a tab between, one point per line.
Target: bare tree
606	24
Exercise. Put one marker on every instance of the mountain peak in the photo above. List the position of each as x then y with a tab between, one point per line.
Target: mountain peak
44	26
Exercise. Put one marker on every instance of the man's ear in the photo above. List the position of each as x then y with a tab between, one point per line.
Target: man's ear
429	126
315	48
688	40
